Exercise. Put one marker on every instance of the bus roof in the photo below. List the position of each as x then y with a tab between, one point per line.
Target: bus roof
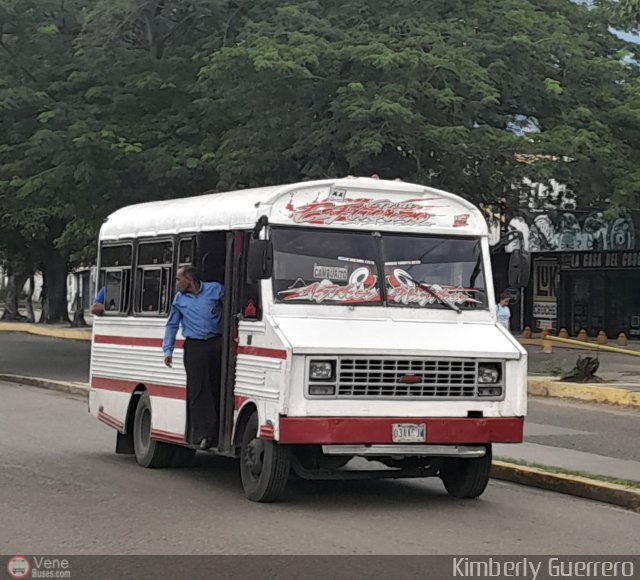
354	203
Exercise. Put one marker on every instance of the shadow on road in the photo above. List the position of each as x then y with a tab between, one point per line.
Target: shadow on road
221	475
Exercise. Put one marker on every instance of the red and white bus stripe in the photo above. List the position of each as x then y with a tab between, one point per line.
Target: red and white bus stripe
111	421
122	386
263	352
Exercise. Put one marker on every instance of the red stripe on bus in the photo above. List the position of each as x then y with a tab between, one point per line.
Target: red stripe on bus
132	341
122	386
266	432
265	352
371	430
167	436
238	401
111	421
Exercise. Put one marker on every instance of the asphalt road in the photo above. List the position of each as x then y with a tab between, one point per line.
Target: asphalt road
44	357
588	427
64	491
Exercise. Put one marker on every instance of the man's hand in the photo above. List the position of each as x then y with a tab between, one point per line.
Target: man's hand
97	309
168	360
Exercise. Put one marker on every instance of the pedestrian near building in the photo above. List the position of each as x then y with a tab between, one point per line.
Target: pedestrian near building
197	307
503	311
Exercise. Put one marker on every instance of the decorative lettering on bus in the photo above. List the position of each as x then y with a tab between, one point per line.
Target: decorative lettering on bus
361	288
419	296
327	291
363	211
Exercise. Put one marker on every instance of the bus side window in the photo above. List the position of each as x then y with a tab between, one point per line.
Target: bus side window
154	278
115	277
186	252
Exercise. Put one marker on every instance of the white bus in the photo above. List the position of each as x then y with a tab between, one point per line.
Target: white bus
359	328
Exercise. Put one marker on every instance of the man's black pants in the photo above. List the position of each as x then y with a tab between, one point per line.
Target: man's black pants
202	362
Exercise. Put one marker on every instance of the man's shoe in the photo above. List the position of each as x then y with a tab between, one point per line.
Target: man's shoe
205	444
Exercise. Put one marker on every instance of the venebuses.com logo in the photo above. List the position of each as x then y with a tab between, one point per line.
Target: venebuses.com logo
38	567
18	567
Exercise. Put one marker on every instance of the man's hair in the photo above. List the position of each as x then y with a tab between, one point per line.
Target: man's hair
503	296
191	273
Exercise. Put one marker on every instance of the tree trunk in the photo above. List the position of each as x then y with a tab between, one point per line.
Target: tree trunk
584	371
78	320
31	317
12	301
54	276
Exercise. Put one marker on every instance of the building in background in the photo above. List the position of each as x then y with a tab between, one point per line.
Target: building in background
585	265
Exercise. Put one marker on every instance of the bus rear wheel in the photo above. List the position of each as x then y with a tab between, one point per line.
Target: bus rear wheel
149	453
264	465
467	478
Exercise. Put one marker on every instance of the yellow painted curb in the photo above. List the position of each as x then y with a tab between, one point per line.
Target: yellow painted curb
548	387
612	493
42	330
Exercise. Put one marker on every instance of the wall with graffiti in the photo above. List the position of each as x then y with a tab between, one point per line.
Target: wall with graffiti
549	231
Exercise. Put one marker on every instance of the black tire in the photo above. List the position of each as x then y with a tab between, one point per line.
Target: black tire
149	453
264	465
467	478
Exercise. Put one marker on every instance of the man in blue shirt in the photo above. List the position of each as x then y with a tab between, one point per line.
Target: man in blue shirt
197	306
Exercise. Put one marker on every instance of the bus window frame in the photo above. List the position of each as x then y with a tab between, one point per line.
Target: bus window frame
103	270
140	271
194	241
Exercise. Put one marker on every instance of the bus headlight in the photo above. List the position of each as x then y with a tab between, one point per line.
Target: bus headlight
489	373
321	370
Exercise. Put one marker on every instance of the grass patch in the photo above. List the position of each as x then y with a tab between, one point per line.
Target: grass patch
554	370
625	482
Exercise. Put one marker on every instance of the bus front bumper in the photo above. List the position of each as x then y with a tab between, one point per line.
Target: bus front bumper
380	430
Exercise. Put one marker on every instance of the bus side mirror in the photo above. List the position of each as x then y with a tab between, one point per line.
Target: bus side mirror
519	269
260	260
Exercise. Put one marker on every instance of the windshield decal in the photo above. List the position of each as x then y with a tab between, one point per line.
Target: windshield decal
402	290
361	287
363	211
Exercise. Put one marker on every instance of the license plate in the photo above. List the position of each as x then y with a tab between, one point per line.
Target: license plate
409	432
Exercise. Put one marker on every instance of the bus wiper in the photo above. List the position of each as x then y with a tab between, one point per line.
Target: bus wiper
430	291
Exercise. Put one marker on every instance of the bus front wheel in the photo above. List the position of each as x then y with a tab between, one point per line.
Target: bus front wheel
264	465
467	478
149	453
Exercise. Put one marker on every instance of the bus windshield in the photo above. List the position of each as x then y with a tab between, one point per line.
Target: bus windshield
325	267
376	269
434	271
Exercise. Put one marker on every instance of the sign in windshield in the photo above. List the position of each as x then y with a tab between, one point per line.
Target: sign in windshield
335	267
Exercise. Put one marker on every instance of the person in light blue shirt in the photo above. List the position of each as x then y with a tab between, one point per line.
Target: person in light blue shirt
503	311
197	307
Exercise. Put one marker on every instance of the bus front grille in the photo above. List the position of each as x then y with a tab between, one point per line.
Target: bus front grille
407	378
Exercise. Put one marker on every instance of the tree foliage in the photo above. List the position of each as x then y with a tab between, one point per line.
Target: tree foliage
108	102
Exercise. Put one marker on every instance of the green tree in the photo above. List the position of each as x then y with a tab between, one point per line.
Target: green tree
425	92
109	102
